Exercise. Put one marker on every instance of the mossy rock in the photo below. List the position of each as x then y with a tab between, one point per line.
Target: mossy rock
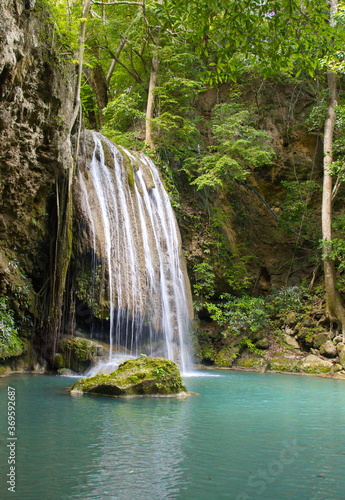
319	339
108	154
226	356
128	166
59	361
263	344
282	364
143	376
76	353
328	349
314	364
4	369
254	363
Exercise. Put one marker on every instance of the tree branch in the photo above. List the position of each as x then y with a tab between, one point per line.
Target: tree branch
117	2
85	13
132	73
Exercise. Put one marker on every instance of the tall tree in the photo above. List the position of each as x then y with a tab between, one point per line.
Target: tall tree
334	304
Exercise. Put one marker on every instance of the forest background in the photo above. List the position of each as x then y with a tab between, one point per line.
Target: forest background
195	85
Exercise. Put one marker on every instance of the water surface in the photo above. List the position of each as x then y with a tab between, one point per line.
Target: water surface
245	436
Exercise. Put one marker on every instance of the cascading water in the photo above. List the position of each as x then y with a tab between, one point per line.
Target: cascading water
133	232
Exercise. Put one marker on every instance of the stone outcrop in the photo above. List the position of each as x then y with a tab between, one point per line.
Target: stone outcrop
144	376
328	349
314	364
36	97
76	354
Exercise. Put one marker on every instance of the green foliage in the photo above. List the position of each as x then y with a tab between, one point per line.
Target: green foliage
239	147
239	315
337	248
286	299
204	280
316	123
246	316
90	290
123	111
246	343
80	350
10	344
270	37
65	17
317	116
298	212
236	272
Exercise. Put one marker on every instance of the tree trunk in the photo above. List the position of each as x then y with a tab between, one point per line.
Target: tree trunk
150	102
98	83
150	97
335	309
80	56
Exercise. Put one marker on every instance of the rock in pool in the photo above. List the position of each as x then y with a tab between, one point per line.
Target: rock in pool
144	376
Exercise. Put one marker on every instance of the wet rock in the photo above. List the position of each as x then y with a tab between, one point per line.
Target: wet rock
76	354
66	371
143	376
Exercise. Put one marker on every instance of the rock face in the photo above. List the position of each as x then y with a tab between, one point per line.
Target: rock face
35	156
76	354
143	376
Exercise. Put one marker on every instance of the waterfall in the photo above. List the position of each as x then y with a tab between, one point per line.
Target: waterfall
132	232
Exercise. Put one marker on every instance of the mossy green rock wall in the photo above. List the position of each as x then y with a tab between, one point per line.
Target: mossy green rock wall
135	377
76	354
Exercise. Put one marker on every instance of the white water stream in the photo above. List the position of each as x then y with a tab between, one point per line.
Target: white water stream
134	232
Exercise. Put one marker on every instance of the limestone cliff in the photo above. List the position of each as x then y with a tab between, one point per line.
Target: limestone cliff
35	156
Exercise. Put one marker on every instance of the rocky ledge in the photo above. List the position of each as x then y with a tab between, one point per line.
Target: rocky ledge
144	376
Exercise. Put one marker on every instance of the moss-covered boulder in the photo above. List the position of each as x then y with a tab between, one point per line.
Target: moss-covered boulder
314	364
250	362
143	376
319	339
226	356
76	353
328	349
283	364
263	344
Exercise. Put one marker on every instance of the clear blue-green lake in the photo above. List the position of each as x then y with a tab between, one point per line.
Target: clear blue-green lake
245	436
